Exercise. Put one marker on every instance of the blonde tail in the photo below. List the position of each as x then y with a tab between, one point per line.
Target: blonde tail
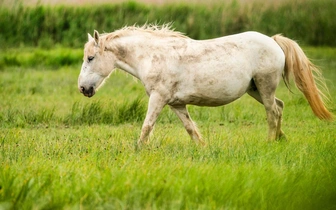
303	69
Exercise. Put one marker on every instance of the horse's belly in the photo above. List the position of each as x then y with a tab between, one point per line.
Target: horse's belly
209	101
211	95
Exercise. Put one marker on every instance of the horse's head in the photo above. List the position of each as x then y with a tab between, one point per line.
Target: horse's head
97	65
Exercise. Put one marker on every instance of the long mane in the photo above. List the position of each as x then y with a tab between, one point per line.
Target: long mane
164	30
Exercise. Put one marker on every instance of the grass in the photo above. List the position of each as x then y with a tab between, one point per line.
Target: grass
86	2
38	58
60	150
41	26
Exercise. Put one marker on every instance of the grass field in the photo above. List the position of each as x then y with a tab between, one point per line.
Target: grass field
154	2
60	150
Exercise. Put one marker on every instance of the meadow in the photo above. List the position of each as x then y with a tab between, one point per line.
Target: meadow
61	150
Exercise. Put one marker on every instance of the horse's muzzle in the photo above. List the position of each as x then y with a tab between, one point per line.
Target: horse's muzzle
89	92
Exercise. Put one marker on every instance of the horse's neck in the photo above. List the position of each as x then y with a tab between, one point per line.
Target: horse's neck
135	53
129	52
122	65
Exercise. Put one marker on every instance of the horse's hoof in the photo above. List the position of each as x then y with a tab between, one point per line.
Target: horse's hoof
201	143
282	137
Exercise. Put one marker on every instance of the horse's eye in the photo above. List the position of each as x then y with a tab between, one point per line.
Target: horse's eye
90	58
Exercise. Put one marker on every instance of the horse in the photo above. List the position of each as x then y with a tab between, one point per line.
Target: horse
176	70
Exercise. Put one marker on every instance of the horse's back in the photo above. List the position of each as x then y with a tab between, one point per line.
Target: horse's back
262	51
248	51
254	42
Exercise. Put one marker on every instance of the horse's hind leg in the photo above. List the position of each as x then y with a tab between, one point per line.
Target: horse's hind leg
264	93
280	104
182	113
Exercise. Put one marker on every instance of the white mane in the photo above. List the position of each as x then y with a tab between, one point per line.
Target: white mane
159	30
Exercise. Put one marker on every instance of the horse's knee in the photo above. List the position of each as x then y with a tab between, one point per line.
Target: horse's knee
275	110
273	114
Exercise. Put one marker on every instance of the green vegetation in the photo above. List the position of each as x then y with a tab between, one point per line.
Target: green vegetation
39	58
309	21
61	150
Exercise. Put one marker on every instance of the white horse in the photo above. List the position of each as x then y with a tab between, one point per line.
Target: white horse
177	70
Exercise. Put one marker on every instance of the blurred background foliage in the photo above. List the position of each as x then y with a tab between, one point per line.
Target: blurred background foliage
311	22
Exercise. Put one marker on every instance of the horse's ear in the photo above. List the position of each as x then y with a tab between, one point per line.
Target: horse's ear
90	38
96	37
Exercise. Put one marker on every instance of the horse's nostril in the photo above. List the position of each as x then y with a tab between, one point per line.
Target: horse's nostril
88	91
82	89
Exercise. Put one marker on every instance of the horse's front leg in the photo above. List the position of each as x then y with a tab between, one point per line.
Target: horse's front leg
155	106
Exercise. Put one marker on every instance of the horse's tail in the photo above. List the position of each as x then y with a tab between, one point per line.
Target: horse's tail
305	73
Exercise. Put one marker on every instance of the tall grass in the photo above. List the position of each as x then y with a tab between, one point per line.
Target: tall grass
309	21
97	167
60	150
38	58
95	113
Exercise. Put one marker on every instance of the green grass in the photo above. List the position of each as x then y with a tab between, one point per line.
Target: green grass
60	150
46	26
